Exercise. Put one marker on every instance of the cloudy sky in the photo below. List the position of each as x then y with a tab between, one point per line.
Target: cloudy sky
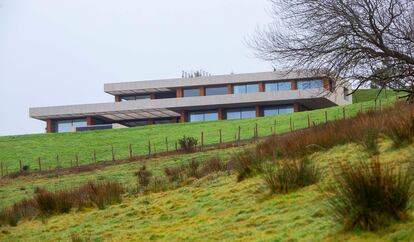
57	52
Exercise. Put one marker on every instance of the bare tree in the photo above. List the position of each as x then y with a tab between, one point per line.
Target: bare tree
363	41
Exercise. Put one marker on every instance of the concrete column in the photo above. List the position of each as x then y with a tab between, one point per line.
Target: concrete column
229	89
327	84
257	111
50	126
117	98
179	92
182	117
296	107
90	121
294	85
261	87
202	91
220	114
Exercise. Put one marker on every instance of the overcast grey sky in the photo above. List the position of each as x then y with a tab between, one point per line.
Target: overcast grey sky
58	52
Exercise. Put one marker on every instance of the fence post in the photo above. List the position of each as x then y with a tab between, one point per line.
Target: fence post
166	144
238	133
202	139
326	116
375	105
57	161
274	127
149	149
77	159
176	147
40	164
113	152
343	112
20	164
257	131
130	151
290	123
94	155
220	136
309	122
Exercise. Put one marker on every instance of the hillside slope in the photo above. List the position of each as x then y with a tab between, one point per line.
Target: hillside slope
218	208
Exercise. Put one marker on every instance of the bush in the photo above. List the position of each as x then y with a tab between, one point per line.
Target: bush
143	177
174	174
188	144
211	166
103	193
368	195
370	142
401	130
285	176
158	184
246	163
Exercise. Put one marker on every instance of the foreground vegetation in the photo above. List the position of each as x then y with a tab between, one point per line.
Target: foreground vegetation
68	149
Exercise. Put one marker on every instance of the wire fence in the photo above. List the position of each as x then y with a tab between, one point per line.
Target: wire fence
233	133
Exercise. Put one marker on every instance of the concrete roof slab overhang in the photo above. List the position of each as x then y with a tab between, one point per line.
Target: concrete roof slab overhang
157	108
139	87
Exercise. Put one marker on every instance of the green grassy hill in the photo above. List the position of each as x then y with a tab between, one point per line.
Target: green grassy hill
29	148
213	208
363	95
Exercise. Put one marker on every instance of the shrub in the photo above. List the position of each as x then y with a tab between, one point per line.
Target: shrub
192	168
174	174
103	193
143	177
211	166
246	164
368	195
401	130
158	184
188	144
285	176
369	142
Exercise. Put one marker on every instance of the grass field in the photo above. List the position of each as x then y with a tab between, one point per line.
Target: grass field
29	148
363	95
212	208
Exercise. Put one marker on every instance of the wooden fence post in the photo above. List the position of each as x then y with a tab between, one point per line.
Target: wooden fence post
39	163
326	116
130	151
20	164
113	152
77	159
257	131
149	149
290	123
57	161
238	133
309	122
274	127
166	144
202	139
176	146
343	113
94	155
220	136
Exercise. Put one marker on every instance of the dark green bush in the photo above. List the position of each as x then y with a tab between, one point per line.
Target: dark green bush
188	144
368	195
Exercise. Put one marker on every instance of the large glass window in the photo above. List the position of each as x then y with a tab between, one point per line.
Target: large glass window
210	91
135	97
199	116
69	125
277	86
275	110
238	113
310	84
245	88
191	92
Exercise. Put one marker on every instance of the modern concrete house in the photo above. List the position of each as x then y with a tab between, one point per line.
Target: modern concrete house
196	99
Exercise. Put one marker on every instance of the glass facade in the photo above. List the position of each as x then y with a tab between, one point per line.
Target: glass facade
69	125
191	92
245	88
275	110
135	97
199	116
210	91
310	84
277	86
238	113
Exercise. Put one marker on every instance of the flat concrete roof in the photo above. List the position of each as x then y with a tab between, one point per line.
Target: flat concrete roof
157	108
164	85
